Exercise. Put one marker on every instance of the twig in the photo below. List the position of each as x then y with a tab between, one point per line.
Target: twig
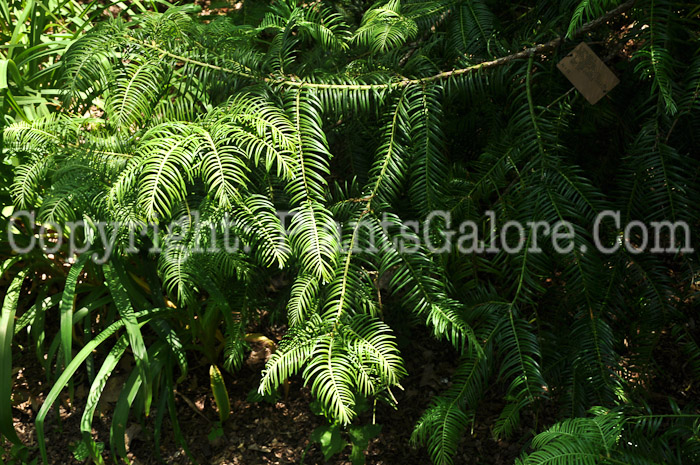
414	46
539	49
191	405
286	81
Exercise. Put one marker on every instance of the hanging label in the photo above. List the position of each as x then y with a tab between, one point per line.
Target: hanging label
588	73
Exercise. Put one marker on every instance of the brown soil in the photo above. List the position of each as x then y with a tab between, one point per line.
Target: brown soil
264	433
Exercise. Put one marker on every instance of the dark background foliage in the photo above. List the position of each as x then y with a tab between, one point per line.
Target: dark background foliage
359	112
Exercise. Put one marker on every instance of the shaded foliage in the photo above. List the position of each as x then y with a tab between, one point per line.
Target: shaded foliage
374	116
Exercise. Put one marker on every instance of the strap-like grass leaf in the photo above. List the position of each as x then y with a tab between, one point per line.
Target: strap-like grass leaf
7	69
160	415
166	333
67	306
218	388
96	389
89	305
42	303
7	320
121	415
177	432
127	397
121	300
73	367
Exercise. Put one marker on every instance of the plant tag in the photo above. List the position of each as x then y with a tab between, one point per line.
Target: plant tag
588	73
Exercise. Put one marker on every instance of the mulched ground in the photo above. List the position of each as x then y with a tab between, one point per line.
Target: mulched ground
279	432
265	433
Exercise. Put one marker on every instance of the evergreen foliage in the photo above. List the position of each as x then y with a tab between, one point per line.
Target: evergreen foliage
363	113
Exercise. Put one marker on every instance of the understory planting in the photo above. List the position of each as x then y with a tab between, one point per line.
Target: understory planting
169	177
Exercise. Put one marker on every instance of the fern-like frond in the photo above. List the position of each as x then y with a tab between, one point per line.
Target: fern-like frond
256	219
428	164
587	10
167	164
519	348
441	427
303	299
470	30
136	90
220	162
298	345
384	28
313	233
